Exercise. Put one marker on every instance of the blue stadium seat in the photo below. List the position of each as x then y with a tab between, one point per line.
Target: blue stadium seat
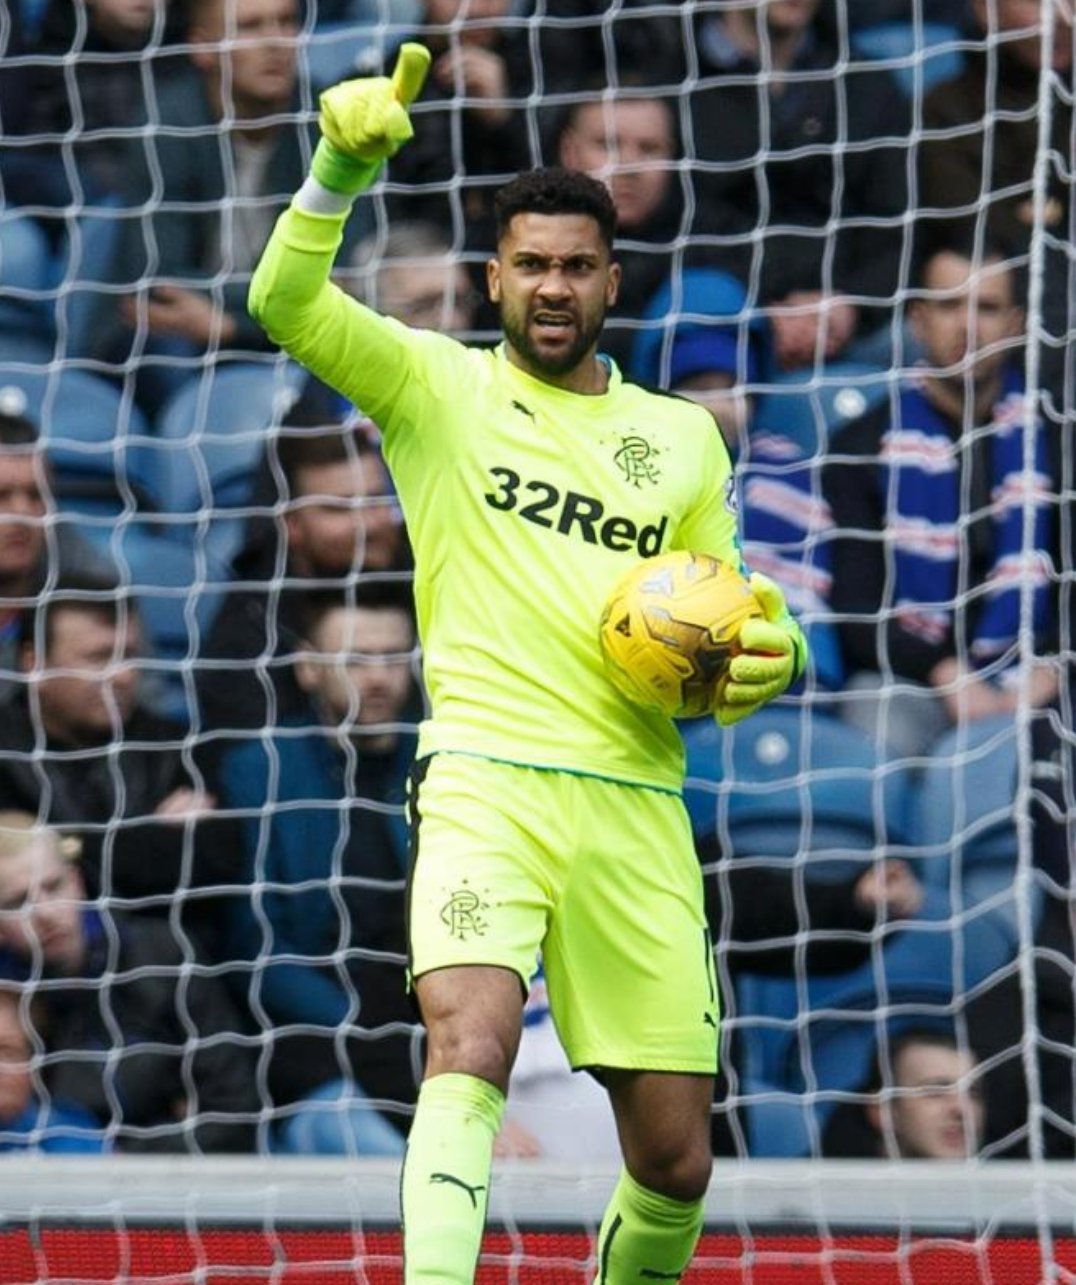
86	264
210	439
790	781
964	828
809	406
27	277
92	432
929	52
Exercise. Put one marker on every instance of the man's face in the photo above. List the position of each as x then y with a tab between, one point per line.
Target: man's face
967	315
432	294
22	510
360	670
16	1087
627	145
789	17
89	685
344	516
480	18
42	897
938	1113
258	67
1009	17
554	282
125	22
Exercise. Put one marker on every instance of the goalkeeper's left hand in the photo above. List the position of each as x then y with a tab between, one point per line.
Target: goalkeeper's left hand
773	655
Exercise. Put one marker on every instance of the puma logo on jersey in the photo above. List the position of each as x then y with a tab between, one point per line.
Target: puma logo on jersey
572	513
453	1181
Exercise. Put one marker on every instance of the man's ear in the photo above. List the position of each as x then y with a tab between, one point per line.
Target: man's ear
493	279
873	1111
27	658
612	288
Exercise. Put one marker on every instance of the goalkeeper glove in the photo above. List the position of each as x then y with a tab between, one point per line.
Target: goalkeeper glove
364	122
773	655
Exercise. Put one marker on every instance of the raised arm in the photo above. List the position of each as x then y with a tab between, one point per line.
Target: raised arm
363	122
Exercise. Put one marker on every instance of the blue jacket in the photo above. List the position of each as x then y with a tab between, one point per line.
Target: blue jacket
326	859
56	1127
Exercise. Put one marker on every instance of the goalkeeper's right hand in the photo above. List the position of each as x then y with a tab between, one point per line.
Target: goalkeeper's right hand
364	122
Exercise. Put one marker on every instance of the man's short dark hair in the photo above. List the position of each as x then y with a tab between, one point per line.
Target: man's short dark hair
555	190
370	595
95	595
964	244
302	446
17	431
889	1053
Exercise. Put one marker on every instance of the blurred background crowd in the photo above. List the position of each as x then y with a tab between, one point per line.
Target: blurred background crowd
845	227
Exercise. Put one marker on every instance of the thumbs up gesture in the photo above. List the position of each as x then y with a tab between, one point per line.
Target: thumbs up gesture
364	122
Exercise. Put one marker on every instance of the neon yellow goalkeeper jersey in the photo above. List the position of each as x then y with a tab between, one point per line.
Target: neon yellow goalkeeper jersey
524	503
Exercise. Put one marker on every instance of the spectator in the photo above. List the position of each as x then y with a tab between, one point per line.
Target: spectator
761	914
980	150
411	273
638	42
339	518
784	165
702	346
326	859
227	144
469	120
79	749
925	1102
758	912
30	1120
927	495
631	144
98	63
33	551
135	1037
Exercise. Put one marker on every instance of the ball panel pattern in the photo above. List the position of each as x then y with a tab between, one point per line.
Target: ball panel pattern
670	628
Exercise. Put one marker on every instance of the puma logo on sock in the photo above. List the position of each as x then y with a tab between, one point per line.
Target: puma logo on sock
458	1182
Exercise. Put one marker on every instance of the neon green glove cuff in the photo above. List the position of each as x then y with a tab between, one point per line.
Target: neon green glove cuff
341	173
774	655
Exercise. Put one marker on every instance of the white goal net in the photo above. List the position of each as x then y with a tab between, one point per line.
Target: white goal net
846	228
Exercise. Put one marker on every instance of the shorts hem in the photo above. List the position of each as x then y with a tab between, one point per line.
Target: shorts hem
674	1066
414	974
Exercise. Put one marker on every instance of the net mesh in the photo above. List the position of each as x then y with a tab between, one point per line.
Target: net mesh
824	239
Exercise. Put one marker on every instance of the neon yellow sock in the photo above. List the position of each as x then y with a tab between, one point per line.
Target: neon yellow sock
445	1186
645	1236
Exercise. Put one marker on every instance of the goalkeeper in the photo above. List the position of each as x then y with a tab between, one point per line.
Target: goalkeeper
546	809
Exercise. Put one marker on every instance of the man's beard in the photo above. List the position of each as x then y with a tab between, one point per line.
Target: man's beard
518	337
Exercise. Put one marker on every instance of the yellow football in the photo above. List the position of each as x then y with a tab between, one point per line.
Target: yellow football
670	628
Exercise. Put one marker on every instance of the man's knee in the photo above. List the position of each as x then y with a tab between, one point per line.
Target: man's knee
469	1050
473	1019
681	1173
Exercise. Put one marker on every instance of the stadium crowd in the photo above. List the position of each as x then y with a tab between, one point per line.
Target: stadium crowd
835	233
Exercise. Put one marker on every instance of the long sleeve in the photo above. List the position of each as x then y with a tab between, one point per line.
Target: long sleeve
362	355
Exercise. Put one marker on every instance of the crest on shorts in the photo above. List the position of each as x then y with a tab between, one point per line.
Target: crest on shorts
463	914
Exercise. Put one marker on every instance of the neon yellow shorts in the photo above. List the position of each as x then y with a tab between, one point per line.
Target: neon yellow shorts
599	876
